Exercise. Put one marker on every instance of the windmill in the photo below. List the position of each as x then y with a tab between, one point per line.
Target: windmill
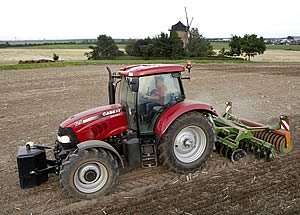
188	24
183	31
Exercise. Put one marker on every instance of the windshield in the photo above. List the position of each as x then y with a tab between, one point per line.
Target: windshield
156	93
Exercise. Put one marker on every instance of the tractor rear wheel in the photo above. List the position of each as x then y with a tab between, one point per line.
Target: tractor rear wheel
187	143
89	173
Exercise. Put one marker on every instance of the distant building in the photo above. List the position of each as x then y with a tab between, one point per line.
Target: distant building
182	31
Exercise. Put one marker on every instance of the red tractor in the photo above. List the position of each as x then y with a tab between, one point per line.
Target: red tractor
150	122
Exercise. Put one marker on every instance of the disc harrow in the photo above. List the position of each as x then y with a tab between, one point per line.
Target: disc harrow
238	137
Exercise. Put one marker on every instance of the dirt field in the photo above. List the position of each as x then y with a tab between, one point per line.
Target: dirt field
12	56
278	56
34	102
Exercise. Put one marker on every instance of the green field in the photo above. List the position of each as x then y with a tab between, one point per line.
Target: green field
220	45
284	47
63	46
125	60
56	46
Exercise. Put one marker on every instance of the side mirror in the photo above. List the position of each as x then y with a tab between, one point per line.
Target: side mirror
133	83
188	66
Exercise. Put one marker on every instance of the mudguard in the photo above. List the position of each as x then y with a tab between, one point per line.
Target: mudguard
100	144
167	117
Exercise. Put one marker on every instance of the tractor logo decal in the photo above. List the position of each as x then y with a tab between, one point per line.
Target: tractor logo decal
107	113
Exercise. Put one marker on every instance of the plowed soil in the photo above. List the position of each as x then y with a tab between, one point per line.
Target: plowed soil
34	102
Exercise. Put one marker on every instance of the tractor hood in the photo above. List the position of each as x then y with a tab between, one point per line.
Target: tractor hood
98	123
91	115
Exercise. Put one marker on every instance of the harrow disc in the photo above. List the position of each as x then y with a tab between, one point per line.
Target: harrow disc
218	146
257	151
238	154
263	153
228	153
223	150
251	148
269	155
246	146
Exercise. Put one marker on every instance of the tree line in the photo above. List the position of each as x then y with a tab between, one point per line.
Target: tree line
9	45
161	46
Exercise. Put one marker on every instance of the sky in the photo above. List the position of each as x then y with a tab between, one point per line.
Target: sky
77	19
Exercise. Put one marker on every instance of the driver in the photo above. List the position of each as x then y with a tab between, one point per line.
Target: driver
158	94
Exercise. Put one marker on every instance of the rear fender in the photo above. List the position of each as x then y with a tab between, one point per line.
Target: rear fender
100	144
171	114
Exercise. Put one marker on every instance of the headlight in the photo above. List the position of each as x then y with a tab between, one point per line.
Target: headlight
64	139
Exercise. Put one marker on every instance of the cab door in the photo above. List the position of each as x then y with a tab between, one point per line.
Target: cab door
151	102
128	100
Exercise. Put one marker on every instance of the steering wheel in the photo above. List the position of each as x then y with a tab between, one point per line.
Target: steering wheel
150	93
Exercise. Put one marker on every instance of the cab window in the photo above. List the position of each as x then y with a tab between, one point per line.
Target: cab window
156	93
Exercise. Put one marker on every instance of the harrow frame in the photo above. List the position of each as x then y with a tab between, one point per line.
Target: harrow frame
238	137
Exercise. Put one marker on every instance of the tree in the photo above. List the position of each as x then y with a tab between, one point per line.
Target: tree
130	46
235	46
177	50
105	48
143	48
161	46
5	45
55	57
222	52
251	45
197	45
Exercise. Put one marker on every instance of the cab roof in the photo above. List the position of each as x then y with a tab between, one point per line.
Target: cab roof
149	69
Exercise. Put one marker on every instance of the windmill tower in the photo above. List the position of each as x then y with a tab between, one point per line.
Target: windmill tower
183	31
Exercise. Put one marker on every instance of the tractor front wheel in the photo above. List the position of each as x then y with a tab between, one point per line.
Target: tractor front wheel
187	143
89	173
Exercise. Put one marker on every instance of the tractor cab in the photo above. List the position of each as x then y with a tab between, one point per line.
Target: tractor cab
146	91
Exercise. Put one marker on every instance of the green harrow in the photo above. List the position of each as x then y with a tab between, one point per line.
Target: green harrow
238	137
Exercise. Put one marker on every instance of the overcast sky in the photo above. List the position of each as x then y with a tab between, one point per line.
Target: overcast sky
66	19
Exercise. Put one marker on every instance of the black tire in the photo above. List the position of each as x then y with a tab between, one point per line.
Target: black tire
82	165
168	147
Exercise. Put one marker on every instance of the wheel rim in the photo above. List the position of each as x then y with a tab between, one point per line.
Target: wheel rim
90	177
190	144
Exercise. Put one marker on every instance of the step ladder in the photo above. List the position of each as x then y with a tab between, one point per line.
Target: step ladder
148	155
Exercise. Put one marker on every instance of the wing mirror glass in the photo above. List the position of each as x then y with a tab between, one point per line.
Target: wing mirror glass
133	83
